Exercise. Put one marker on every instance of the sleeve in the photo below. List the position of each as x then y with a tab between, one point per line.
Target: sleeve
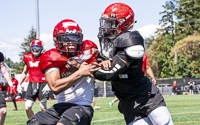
25	58
147	61
47	61
117	67
1	57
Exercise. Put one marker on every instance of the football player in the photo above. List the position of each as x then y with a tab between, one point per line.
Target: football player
141	103
2	98
37	83
13	95
74	83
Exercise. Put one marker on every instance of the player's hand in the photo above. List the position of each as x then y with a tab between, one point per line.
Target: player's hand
19	89
14	93
87	69
154	81
46	89
106	64
72	65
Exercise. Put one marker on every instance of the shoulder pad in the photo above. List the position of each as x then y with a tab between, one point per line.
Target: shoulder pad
52	58
89	44
26	56
135	52
128	39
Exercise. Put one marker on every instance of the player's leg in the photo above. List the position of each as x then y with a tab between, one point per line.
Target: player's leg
3	110
42	97
192	90
77	115
113	101
161	116
49	117
29	100
143	121
14	102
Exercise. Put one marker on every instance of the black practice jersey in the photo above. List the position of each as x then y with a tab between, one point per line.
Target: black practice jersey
131	81
1	57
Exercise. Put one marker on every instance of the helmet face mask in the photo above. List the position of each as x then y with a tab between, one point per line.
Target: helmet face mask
108	27
69	43
68	37
116	19
36	47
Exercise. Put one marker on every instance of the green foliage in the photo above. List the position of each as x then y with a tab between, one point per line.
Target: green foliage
183	38
25	46
182	68
11	64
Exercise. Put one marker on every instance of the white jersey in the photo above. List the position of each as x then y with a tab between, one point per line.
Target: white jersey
80	93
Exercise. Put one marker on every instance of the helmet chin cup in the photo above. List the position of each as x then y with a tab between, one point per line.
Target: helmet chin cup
36	54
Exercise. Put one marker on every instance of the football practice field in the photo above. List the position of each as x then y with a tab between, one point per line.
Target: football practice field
184	109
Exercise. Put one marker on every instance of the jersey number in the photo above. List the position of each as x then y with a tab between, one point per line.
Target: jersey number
34	64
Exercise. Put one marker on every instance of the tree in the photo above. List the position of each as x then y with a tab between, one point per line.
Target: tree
25	46
189	48
168	18
188	14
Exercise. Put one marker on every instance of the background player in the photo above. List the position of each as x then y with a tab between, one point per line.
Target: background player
74	84
191	85
13	95
2	98
37	82
140	101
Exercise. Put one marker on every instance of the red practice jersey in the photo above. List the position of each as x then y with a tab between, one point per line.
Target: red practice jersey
15	84
145	63
35	75
54	58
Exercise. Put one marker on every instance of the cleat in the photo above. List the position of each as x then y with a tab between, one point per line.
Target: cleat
110	104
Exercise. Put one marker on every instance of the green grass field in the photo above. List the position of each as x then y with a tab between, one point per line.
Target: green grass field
185	110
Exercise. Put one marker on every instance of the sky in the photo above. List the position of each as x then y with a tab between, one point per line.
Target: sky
17	17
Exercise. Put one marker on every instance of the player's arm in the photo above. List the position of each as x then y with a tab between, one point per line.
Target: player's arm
23	75
6	74
118	66
151	74
120	63
58	85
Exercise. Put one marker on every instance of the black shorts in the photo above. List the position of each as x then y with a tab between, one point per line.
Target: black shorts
32	94
2	100
191	87
80	115
141	105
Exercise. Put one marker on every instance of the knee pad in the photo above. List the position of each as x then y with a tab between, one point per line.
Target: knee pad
29	103
43	103
143	121
33	122
161	116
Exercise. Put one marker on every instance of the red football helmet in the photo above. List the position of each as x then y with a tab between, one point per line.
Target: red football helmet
36	47
68	36
116	19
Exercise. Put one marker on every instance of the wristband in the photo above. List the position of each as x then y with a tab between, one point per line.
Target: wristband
10	83
154	78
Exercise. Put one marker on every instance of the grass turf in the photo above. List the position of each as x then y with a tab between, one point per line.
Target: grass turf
184	109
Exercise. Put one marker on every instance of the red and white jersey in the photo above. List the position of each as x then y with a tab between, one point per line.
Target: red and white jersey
82	91
35	75
15	84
